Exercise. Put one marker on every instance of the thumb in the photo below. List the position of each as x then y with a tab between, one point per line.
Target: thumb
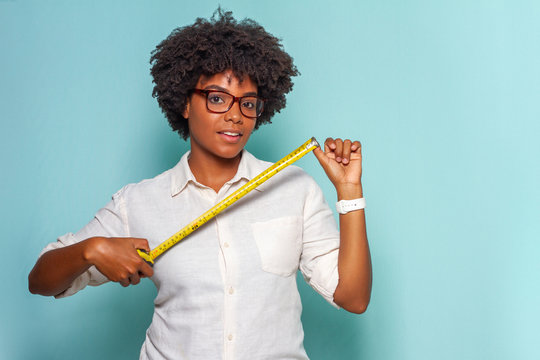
326	164
319	154
141	244
323	159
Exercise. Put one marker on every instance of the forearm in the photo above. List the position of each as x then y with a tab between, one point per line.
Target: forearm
354	262
116	258
57	269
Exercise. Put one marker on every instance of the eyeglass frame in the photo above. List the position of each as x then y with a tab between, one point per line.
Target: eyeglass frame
234	99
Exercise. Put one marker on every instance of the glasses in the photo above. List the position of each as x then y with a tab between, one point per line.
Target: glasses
220	102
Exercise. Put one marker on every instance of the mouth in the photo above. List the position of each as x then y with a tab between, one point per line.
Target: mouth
230	133
230	136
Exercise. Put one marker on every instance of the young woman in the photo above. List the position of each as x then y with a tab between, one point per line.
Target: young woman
229	290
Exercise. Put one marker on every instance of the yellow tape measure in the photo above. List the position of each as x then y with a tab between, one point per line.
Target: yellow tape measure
305	148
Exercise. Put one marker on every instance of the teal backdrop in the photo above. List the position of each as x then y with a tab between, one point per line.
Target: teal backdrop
444	96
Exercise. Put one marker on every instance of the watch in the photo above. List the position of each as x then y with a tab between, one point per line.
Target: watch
345	206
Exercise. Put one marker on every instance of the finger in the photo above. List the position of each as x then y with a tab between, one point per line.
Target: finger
329	145
356	146
134	279
141	244
339	149
146	270
346	151
124	282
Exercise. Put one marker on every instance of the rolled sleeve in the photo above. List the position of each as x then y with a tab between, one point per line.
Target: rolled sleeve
319	260
110	221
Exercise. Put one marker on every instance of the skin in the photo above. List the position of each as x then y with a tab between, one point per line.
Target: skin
342	163
214	160
116	258
215	157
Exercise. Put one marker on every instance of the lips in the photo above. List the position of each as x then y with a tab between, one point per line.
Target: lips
230	133
230	136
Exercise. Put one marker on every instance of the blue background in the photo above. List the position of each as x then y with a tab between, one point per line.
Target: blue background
443	95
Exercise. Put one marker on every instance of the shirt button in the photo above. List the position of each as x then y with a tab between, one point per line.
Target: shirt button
230	337
231	290
226	244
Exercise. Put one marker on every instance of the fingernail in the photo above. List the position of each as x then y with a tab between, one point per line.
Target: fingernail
345	161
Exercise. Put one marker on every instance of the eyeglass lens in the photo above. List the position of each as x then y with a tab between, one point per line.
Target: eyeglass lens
218	101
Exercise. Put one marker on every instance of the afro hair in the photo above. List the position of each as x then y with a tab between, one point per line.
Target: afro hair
209	47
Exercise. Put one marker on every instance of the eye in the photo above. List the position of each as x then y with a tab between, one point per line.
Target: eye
249	103
216	98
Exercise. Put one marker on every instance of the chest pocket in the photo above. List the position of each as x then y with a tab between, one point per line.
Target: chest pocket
279	242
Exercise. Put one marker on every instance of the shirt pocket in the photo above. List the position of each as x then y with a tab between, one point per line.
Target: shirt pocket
279	242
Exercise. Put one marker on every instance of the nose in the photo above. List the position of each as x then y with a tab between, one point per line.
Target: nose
234	114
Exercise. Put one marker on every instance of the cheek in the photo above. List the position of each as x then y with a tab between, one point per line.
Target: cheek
252	127
247	134
196	127
201	125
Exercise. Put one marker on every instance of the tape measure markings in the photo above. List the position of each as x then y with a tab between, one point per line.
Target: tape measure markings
231	199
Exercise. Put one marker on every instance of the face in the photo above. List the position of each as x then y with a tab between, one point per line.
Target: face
219	135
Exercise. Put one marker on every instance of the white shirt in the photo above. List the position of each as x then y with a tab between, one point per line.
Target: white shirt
227	291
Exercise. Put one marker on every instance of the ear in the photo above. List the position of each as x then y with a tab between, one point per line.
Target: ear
185	113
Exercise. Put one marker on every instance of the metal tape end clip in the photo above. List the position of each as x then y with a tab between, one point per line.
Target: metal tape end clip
314	142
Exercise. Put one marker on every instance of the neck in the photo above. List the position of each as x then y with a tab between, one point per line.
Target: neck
213	171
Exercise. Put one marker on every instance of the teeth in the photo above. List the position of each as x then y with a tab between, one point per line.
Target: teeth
231	133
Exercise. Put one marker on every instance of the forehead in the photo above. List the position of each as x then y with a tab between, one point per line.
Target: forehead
227	79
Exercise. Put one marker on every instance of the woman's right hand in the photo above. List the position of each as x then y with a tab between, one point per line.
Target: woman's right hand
118	259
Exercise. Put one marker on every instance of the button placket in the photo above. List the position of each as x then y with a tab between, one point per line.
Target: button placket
228	287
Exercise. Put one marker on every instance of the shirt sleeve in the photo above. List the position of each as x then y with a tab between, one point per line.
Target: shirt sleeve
110	221
319	259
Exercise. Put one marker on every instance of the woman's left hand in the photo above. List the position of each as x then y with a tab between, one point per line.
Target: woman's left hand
342	162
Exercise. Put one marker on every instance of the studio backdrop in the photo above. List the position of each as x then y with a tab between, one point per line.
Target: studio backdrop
443	95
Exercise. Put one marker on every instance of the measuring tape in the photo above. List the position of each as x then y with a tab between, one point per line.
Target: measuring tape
305	148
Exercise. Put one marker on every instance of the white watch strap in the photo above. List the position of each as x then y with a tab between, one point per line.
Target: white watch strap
345	206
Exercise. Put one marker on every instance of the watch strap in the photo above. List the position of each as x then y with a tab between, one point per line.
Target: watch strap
345	206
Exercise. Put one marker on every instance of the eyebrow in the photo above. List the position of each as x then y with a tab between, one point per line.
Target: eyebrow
219	88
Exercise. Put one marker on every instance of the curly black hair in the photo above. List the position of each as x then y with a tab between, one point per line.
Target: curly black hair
209	47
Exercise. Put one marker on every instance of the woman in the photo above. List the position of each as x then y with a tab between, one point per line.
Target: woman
229	290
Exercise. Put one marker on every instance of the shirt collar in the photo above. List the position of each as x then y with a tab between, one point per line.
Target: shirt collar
248	168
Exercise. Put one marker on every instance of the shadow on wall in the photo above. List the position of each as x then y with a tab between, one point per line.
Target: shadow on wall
107	322
328	332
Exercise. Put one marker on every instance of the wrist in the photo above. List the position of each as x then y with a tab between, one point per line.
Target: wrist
349	191
91	249
346	206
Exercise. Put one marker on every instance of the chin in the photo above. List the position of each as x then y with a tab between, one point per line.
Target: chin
231	155
228	153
